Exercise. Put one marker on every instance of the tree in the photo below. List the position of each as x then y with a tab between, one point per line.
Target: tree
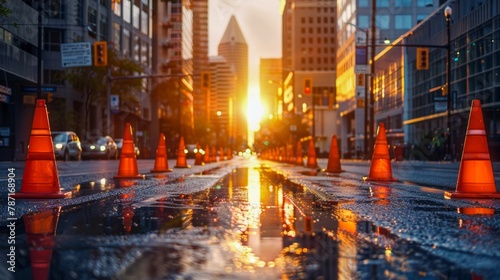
92	81
4	11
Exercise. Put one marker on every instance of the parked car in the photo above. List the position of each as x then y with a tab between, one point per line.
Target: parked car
119	143
66	145
101	147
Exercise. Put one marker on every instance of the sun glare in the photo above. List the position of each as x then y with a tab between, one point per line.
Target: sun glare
254	109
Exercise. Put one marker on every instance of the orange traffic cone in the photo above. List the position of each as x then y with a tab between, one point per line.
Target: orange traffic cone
181	155
213	153
161	162
221	154
475	176
299	159
333	165
127	169
40	177
40	234
380	168
206	158
229	154
198	160
312	161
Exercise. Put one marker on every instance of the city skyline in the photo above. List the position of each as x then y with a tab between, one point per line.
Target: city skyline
260	22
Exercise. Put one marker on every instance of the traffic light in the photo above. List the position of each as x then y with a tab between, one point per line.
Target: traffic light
205	80
100	53
422	58
50	97
307	86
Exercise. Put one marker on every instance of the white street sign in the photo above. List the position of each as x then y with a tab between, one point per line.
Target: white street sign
76	54
115	102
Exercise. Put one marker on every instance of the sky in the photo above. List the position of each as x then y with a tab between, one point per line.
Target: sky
260	23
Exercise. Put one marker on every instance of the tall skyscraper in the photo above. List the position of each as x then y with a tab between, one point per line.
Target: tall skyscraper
222	94
200	64
174	58
309	64
234	49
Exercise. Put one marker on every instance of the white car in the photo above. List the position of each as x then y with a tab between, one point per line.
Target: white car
66	145
119	144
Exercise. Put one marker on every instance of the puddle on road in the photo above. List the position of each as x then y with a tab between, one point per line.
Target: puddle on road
251	224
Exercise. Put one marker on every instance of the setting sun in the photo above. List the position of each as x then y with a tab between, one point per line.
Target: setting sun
254	109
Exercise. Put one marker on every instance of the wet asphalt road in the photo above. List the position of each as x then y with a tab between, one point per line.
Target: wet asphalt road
247	219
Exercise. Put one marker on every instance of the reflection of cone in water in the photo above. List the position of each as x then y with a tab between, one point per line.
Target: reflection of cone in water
40	234
198	158
380	168
381	192
312	161
333	165
475	175
127	168
476	211
161	162
181	155
206	157
127	210
40	177
125	183
299	160
128	215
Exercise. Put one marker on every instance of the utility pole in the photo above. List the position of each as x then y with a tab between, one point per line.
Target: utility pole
372	78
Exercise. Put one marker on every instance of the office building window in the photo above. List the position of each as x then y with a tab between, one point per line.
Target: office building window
117	7
383	21
127	7
52	39
56	9
144	22
383	3
136	16
402	3
363	21
116	35
403	22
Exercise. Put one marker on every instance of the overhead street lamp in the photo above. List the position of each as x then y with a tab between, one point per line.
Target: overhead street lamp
447	15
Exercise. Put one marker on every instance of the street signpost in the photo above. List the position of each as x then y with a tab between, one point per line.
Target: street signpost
76	54
35	89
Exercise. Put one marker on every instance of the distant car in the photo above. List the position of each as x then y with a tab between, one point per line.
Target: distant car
102	147
190	150
119	144
66	145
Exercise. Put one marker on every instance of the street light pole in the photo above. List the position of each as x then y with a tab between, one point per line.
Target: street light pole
447	14
39	53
